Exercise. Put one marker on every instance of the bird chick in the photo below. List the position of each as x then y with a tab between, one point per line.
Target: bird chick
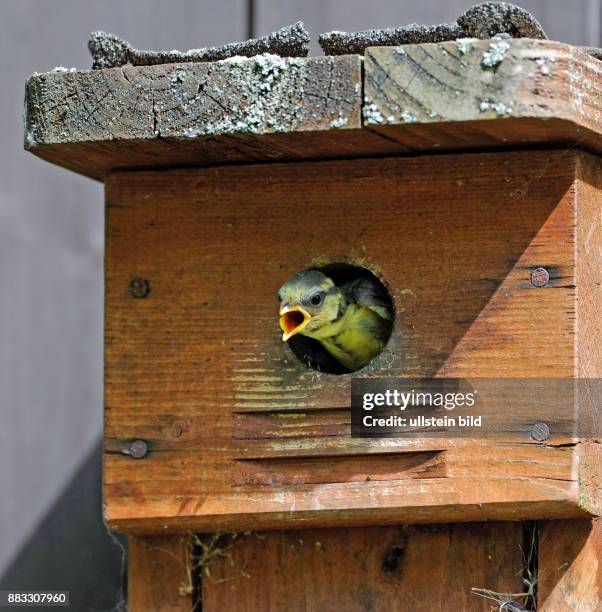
351	321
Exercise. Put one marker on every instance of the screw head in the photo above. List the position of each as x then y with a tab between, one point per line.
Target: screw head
137	449
540	277
540	431
139	287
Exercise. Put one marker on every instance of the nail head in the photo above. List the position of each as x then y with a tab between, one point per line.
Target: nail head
138	449
540	277
540	431
139	287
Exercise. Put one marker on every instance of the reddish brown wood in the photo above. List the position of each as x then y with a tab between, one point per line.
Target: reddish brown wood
159	574
397	568
198	369
449	96
570	566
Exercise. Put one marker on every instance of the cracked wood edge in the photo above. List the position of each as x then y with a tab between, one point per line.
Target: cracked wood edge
485	93
250	96
194	113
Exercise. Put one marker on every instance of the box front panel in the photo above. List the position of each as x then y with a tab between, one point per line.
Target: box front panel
240	432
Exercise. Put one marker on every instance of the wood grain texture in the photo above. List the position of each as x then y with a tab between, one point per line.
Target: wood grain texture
158	574
483	93
260	95
397	568
186	114
241	434
588	325
570	566
433	97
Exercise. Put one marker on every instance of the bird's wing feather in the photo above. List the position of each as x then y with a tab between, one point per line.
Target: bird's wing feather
367	293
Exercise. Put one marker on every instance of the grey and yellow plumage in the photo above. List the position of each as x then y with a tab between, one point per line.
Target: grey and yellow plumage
351	321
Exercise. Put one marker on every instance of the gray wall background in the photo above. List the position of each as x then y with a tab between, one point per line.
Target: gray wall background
51	250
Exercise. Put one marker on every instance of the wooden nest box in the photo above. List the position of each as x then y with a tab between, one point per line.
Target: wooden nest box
473	191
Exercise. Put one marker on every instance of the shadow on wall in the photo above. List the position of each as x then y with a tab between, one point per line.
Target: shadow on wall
71	549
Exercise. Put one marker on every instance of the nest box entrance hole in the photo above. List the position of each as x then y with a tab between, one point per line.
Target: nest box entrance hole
308	350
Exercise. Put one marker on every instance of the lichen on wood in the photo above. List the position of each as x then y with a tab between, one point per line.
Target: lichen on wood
472	79
238	95
481	21
269	107
110	51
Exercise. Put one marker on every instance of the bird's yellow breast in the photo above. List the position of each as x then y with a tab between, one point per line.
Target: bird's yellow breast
355	339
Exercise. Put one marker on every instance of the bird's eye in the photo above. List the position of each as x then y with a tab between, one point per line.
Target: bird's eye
316	299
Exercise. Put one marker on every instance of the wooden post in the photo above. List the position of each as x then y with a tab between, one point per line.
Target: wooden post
570	565
430	567
160	574
491	253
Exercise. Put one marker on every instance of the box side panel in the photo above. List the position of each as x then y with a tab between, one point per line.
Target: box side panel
589	329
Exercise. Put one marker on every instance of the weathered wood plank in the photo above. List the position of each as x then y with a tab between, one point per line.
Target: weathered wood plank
182	114
143	509
159	574
487	93
588	273
397	568
588	269
261	95
570	566
432	97
199	371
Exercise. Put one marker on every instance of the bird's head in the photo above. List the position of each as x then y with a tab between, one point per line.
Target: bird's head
309	301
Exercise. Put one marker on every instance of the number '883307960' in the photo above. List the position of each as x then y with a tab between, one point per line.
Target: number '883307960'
34	598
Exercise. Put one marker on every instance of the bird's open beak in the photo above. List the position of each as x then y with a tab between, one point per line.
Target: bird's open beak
292	320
